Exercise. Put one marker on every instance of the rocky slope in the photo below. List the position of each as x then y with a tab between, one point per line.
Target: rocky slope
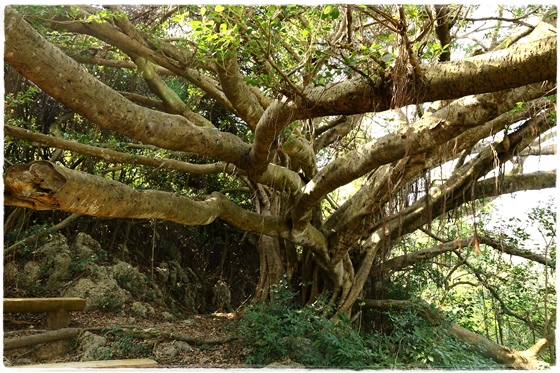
162	312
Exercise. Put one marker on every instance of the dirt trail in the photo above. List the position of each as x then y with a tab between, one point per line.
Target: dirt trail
127	345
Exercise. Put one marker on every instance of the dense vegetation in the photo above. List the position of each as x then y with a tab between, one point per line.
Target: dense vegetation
338	167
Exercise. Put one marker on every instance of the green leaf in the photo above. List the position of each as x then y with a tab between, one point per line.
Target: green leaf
195	24
328	9
219	8
223	27
202	11
335	13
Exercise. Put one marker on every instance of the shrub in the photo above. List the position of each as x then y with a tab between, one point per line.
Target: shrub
280	328
413	343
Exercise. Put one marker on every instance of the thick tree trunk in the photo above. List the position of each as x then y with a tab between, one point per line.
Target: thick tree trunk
272	267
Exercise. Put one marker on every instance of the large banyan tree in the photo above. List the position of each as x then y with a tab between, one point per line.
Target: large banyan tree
376	97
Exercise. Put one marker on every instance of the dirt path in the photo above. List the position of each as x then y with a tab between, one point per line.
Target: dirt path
126	346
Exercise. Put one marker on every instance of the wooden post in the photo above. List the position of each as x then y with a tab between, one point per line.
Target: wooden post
58	319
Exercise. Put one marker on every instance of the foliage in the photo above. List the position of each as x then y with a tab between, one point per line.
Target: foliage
126	346
281	328
26	251
414	343
518	296
79	266
507	299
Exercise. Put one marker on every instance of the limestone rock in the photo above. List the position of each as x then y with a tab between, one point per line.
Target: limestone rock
104	294
172	349
31	274
83	239
144	310
93	347
86	248
56	245
129	278
60	270
11	273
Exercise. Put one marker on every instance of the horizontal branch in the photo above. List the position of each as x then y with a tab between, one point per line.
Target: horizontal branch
501	246
365	206
406	260
43	185
456	191
490	72
507	184
50	336
114	156
400	262
52	187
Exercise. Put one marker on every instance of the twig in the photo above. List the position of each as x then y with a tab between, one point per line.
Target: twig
12	249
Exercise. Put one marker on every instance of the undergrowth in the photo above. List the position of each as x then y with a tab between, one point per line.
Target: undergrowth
413	343
281	330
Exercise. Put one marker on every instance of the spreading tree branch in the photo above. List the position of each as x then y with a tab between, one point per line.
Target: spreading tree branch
114	156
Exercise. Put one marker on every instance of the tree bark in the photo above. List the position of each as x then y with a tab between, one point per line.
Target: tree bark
393	161
489	72
114	156
456	191
55	335
511	358
403	261
42	185
52	187
420	138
